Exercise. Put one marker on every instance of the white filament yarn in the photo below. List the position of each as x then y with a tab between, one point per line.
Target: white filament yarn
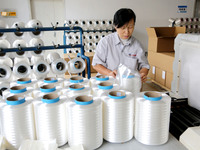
4	44
85	122
47	89
3	25
36	42
51	119
118	116
3	86
152	118
22	69
94	81
5	73
51	81
104	88
59	66
19	43
52	57
18	90
35	24
131	83
18	26
38	145
76	65
17	120
76	90
77	79
41	68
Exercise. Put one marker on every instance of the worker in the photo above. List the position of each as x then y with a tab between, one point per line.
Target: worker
121	47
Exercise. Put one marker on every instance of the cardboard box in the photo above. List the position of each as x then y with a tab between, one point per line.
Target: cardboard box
152	72
161	39
169	78
162	60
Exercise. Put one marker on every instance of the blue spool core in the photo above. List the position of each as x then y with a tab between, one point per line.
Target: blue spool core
15	100
105	85
102	78
77	79
50	80
152	96
47	89
50	98
83	100
129	76
24	81
18	89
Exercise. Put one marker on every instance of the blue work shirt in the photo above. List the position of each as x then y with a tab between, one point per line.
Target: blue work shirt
111	51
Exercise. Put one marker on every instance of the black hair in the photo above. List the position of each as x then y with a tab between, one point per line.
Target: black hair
123	16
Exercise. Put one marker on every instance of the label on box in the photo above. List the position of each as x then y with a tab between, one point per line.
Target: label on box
182	9
153	69
163	74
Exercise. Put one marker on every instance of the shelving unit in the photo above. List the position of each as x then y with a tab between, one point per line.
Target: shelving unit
53	47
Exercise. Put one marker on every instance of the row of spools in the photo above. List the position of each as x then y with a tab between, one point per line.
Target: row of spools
82	111
192	25
37	67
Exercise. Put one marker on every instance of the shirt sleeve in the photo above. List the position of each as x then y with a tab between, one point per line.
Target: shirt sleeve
100	53
142	59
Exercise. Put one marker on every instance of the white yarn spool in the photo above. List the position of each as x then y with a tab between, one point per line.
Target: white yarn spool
76	79
21	67
52	57
41	68
6	61
76	90
18	90
131	83
17	120
51	119
47	89
4	44
19	44
152	118
58	65
104	88
76	65
94	81
18	25
3	86
109	25
27	82
118	114
51	81
3	25
39	145
85	122
34	24
89	25
36	42
5	73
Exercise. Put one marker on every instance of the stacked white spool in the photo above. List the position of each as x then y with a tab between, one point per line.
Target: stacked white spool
152	118
76	65
40	67
5	69
3	25
50	118
36	42
34	24
18	90
18	25
85	122
58	65
131	83
94	81
104	88
21	67
27	82
17	120
76	90
118	116
4	44
20	44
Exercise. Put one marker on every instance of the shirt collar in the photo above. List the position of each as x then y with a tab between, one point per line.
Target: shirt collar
118	41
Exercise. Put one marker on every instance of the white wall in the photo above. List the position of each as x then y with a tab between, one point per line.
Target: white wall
149	12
